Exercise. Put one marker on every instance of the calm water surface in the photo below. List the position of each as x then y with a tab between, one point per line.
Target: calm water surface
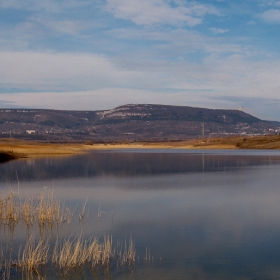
201	215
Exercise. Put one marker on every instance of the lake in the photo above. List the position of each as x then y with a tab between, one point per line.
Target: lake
191	214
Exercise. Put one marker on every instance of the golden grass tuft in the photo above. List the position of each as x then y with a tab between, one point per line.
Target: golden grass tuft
77	253
48	209
45	210
33	256
67	255
9	209
28	211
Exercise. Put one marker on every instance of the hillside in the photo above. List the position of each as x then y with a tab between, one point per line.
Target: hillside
133	122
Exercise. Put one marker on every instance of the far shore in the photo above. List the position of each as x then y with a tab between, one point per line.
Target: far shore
13	148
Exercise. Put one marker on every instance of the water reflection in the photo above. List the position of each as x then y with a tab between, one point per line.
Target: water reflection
202	216
124	164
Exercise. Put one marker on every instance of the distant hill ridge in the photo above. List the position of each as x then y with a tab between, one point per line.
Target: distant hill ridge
130	122
168	112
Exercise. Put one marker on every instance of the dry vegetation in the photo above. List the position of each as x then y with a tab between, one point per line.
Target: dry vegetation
33	256
45	210
64	255
260	142
13	149
68	255
234	142
22	149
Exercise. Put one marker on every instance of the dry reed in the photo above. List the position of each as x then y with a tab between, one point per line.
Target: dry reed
33	256
77	253
48	210
45	210
126	253
69	254
28	211
9	209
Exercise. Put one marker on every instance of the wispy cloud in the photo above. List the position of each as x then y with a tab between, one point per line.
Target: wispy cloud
48	6
71	27
149	12
219	30
271	16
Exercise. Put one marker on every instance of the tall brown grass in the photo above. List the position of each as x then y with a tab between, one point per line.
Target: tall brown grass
77	253
64	255
45	210
33	255
68	255
28	211
49	209
9	209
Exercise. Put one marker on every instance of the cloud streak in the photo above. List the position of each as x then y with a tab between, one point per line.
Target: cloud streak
150	12
219	30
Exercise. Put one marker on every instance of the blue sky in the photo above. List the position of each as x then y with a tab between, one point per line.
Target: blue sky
90	55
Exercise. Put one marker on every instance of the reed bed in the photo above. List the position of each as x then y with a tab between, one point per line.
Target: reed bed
33	256
9	209
64	255
78	253
45	210
68	255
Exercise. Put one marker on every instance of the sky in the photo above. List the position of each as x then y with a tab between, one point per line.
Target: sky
100	54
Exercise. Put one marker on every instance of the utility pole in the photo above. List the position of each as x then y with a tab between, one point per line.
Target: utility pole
203	129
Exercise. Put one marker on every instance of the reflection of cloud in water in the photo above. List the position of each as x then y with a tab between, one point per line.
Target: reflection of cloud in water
205	225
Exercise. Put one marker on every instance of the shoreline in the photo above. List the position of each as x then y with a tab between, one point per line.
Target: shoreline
15	149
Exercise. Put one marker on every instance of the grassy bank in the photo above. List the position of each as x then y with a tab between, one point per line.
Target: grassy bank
220	143
12	149
260	142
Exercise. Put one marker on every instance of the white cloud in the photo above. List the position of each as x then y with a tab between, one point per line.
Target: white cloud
271	16
97	81
59	71
33	5
219	30
149	12
49	6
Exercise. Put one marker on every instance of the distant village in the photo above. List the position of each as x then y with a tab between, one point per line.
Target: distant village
131	123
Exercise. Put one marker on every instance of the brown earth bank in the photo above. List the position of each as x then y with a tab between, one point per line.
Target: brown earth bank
14	149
